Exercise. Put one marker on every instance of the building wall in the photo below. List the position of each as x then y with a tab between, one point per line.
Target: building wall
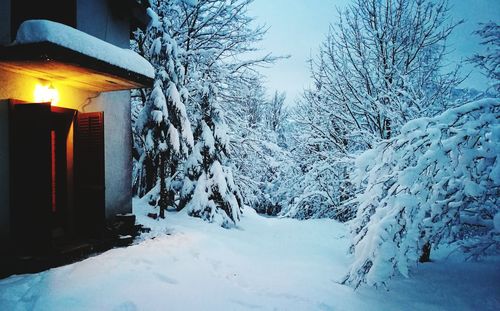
4	173
117	150
5	22
117	131
104	21
61	11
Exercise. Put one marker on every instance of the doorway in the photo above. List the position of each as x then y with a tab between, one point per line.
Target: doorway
57	175
62	185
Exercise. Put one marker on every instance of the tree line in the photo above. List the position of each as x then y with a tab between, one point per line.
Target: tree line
208	140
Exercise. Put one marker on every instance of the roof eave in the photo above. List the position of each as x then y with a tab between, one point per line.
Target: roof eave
49	61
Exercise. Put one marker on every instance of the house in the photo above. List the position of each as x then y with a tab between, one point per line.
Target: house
65	131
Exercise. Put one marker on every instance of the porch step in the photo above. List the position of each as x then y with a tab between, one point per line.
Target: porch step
127	219
124	240
76	250
124	224
118	234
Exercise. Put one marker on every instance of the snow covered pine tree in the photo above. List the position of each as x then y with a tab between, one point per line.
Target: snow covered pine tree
163	123
209	191
212	37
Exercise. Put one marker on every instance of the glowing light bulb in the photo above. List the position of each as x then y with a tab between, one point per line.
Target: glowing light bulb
46	93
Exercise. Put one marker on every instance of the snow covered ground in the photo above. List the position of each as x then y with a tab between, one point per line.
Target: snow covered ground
265	264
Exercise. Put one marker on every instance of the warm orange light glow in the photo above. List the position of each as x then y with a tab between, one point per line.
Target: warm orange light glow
46	93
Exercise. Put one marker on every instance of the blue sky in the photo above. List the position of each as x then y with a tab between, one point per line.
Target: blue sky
297	28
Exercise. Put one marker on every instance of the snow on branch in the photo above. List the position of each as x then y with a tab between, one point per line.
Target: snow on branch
431	184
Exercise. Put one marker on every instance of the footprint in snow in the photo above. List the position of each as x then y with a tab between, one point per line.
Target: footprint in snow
195	254
166	279
214	263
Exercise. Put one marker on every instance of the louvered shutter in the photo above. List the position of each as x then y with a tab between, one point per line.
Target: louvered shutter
89	173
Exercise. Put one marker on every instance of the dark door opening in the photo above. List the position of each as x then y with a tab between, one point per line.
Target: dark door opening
30	177
57	176
61	181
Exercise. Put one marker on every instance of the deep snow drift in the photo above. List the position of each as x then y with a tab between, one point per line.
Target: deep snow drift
265	264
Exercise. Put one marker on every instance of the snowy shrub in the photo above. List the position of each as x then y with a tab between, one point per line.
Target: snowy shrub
437	182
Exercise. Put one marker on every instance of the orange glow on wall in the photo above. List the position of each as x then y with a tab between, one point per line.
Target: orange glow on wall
46	93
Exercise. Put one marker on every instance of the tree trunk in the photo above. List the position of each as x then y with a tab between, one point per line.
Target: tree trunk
150	175
426	253
163	188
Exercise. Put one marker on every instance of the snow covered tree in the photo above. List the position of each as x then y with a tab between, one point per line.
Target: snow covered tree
256	154
212	41
319	189
162	125
275	113
245	121
436	183
216	37
323	157
489	61
379	67
209	191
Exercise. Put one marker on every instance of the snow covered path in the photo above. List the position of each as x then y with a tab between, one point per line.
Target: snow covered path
266	264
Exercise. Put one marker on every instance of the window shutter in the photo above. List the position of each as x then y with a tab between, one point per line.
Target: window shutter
89	173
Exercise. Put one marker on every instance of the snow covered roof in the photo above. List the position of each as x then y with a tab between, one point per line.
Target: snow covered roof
54	51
